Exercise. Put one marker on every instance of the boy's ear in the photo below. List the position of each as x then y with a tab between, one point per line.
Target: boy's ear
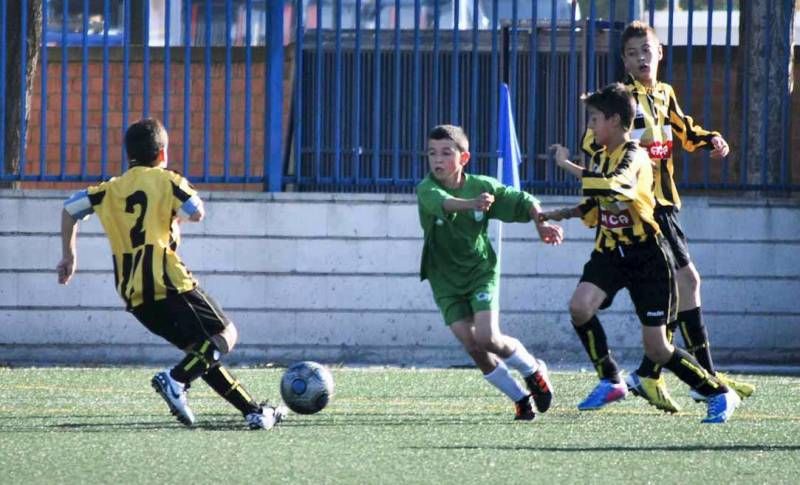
660	51
465	156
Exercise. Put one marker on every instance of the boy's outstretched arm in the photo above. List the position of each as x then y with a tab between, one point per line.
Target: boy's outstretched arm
482	203
548	233
560	214
692	135
69	232
561	156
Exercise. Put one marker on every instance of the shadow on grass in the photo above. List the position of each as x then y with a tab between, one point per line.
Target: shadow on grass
615	448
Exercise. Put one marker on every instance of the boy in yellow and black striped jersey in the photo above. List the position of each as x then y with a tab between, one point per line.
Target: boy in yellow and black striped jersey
658	117
630	252
139	211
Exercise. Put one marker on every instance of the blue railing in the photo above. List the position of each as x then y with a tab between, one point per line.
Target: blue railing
266	98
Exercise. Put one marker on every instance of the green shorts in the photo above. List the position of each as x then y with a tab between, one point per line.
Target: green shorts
459	307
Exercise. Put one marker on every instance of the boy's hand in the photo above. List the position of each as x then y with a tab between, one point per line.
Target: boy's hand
560	154
483	202
65	269
721	148
550	233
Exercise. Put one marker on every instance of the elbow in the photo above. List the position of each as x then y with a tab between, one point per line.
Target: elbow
198	215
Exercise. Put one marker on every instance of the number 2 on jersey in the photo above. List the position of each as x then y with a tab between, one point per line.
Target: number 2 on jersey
137	198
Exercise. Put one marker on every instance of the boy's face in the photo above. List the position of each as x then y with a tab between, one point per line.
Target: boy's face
445	160
603	128
640	56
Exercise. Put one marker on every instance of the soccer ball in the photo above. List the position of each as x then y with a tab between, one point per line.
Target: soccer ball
306	387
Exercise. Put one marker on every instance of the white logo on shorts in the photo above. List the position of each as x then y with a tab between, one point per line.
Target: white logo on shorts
483	296
659	313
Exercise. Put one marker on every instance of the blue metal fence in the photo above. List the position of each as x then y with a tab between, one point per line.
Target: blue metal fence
350	87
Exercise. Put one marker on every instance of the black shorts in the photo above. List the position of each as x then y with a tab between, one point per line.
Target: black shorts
667	219
645	269
183	319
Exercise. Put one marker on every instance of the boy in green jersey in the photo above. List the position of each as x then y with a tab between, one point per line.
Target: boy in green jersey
463	270
659	117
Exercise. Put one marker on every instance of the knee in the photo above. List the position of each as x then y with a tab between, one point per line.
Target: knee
485	342
689	279
581	310
226	340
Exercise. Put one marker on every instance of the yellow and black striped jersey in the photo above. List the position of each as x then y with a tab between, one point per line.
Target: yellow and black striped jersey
658	118
620	200
137	210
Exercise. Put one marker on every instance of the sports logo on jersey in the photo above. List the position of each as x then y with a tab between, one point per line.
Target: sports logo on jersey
616	220
478	215
483	296
439	222
659	150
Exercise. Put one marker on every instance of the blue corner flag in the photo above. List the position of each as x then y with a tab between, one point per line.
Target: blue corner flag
508	154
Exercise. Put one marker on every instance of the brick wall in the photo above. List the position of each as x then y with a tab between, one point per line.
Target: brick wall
239	123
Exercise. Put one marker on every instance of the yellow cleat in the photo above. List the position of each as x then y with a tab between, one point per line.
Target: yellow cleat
654	391
743	389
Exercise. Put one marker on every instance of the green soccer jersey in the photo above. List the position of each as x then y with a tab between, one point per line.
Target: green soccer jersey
457	256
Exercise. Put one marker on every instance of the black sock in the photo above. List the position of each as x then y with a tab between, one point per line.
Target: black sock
227	386
196	362
593	338
695	336
686	367
650	369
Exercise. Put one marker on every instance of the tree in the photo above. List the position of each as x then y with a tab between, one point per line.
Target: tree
765	69
13	95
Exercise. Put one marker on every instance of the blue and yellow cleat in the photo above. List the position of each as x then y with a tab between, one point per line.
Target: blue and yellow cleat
721	407
604	393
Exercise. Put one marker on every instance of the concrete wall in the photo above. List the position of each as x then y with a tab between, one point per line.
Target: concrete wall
333	277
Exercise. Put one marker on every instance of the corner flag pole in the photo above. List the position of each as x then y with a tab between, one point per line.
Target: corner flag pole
508	156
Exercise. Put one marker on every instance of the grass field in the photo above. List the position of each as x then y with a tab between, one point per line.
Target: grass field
90	425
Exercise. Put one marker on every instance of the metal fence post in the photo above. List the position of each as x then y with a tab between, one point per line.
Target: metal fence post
273	145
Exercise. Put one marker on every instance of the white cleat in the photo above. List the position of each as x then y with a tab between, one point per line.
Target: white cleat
267	418
174	393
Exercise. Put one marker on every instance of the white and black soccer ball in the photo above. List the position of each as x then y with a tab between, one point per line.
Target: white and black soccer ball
307	387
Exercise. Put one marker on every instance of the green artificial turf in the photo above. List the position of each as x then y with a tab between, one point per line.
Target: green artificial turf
106	425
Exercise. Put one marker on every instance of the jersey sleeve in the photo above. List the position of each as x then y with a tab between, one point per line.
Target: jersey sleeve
589	211
185	201
619	184
510	204
431	198
692	135
80	205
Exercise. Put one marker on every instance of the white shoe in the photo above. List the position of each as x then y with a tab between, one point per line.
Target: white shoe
721	406
174	393
267	418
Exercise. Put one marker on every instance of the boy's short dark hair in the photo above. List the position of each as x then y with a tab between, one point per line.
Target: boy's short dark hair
450	132
637	28
614	99
144	139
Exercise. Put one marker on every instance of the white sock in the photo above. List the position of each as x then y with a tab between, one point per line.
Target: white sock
522	361
501	378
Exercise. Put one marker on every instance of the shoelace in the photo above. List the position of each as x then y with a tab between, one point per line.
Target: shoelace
716	405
